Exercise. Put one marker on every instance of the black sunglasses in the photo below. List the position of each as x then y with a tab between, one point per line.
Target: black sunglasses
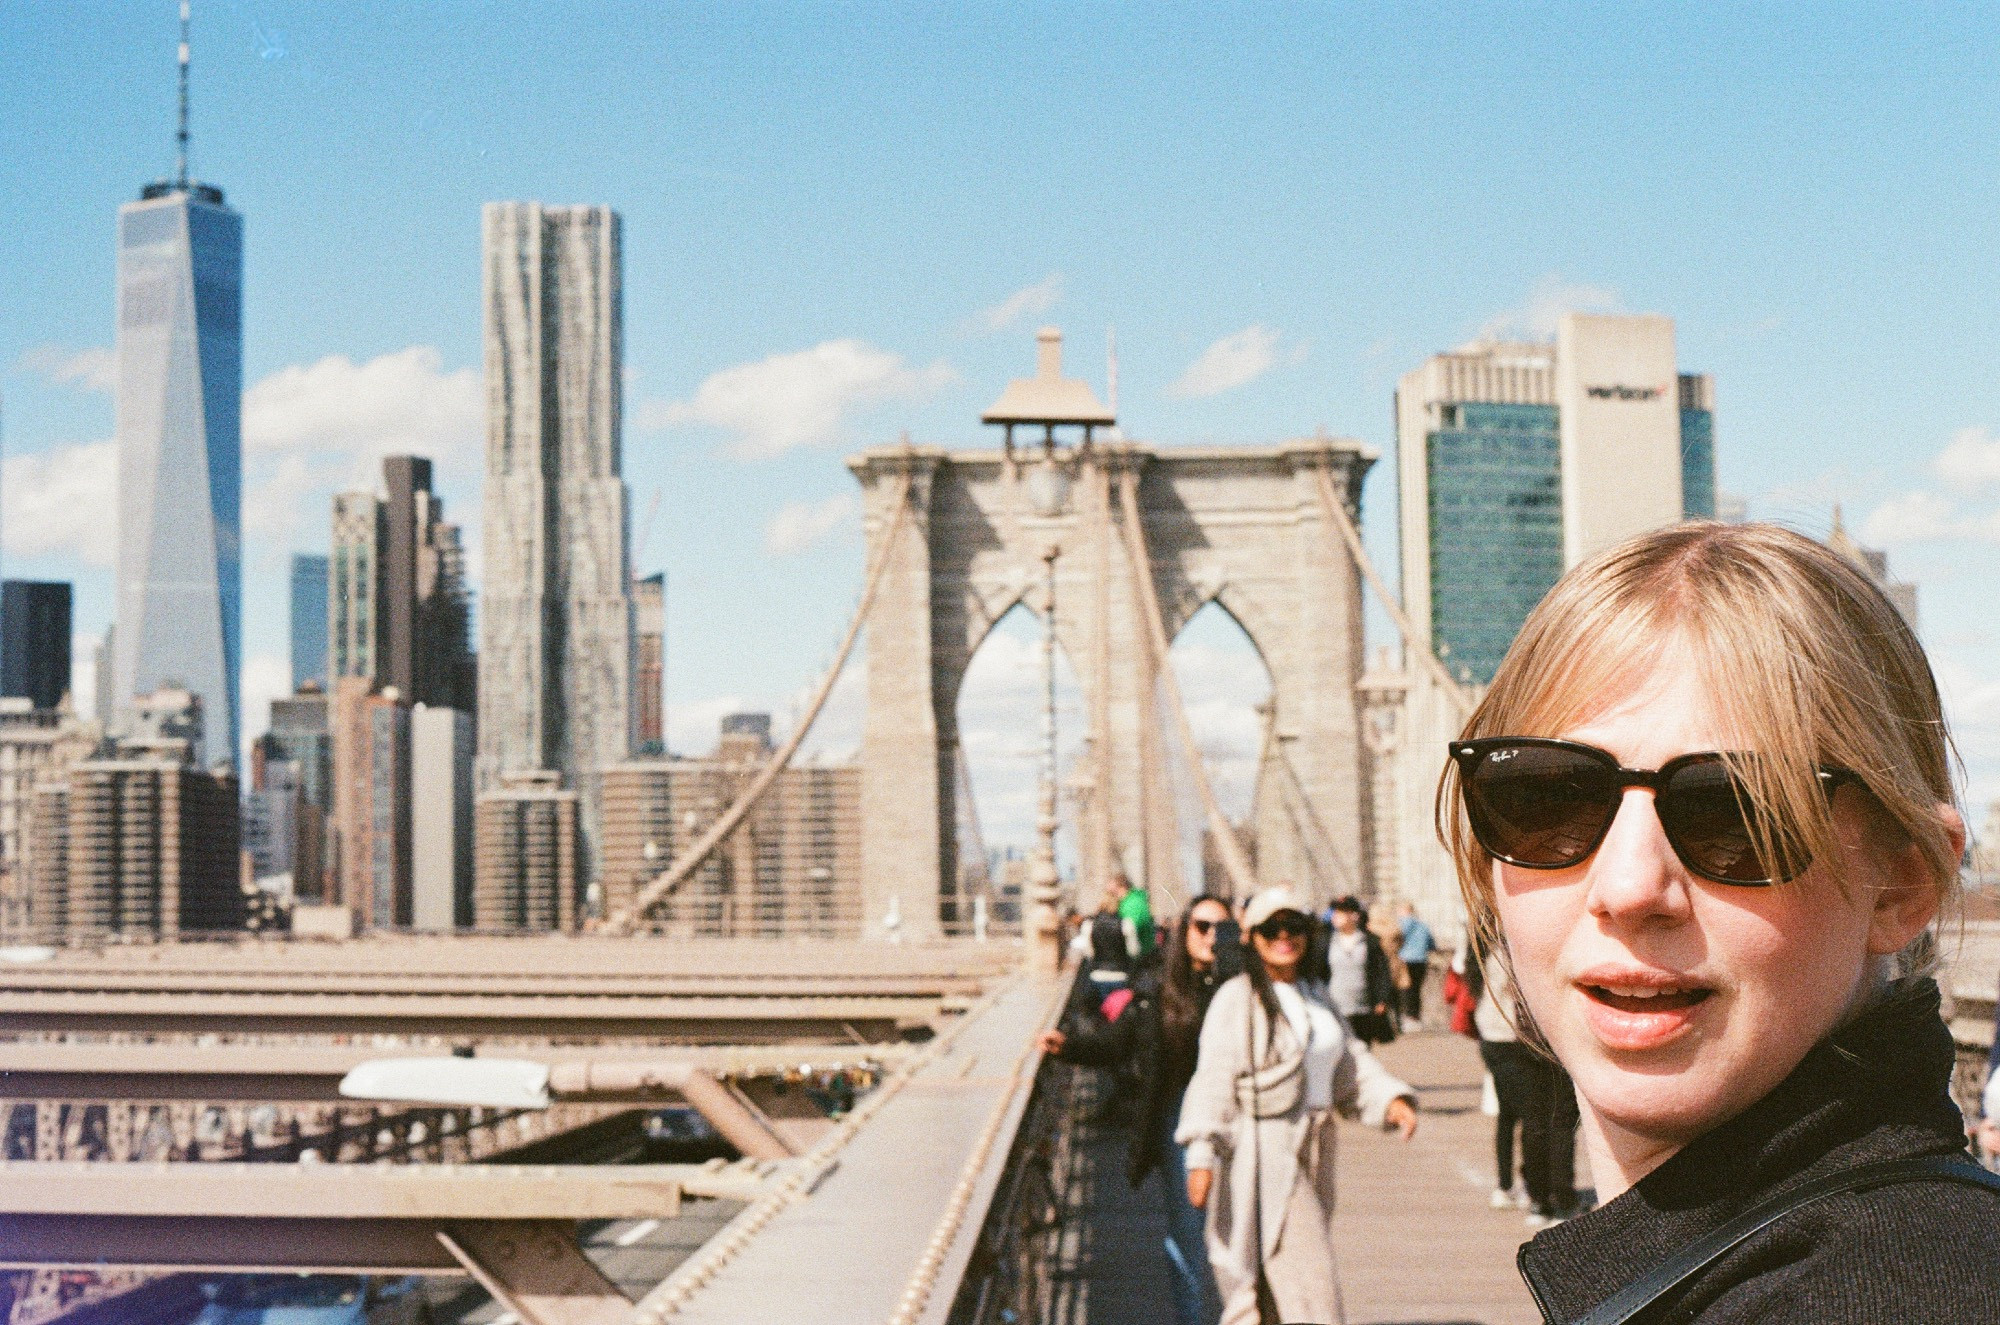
1202	926
1547	805
1284	924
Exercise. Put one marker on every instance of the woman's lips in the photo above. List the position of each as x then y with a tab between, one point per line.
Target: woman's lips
1631	1010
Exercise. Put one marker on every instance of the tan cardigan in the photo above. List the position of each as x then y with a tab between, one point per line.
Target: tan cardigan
1212	1127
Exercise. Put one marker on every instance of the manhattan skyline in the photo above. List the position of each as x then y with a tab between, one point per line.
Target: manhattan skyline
836	230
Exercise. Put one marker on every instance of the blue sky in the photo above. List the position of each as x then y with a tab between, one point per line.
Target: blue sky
829	209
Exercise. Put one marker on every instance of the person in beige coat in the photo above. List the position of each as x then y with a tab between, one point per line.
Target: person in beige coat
1276	1063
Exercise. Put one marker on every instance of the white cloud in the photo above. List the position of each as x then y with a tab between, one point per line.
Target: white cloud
1913	517
266	676
83	673
62	501
800	524
1970	461
1229	363
1037	298
94	369
396	404
800	399
310	430
1537	317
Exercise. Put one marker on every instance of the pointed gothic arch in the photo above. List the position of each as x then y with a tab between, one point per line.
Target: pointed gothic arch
1241	526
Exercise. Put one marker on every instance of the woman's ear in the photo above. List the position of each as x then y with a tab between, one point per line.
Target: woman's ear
1906	896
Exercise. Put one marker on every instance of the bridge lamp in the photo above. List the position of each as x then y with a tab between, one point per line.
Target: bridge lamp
1048	484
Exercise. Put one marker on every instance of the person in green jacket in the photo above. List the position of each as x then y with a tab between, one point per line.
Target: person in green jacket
1135	909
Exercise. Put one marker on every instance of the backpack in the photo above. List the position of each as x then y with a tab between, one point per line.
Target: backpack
1458	996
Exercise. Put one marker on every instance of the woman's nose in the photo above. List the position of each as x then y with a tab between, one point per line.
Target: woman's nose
1635	875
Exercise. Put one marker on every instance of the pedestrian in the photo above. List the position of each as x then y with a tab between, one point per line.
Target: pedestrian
1534	1095
1705	813
1276	1063
1358	976
1135	908
1417	947
1157	1038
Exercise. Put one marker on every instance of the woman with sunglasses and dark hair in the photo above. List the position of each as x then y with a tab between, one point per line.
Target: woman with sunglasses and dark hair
1155	1039
1705	814
1277	1062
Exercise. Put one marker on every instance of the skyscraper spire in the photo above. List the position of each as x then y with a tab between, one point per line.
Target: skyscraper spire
181	138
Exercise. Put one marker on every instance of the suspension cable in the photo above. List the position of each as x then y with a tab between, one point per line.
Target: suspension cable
1336	513
627	920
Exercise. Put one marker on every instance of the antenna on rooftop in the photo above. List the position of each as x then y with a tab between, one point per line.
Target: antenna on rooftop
181	173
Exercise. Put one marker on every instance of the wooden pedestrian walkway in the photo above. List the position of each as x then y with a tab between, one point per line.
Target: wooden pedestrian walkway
1417	1238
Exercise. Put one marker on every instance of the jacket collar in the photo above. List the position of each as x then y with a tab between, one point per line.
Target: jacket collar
1878	1088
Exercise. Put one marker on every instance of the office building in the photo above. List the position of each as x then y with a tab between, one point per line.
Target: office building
424	614
271	814
398	609
354	588
34	641
37	745
398	619
1517	460
139	840
300	739
300	733
371	803
793	869
309	620
525	859
441	756
103	707
555	652
1874	563
1514	462
649	670
179	432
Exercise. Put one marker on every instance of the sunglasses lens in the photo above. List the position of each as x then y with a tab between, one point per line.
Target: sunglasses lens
1201	926
1540	805
1708	816
1282	927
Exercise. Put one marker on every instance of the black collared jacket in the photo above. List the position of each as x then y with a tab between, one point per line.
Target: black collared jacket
1138	1041
1878	1089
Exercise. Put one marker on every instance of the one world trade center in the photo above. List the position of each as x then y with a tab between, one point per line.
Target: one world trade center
180	464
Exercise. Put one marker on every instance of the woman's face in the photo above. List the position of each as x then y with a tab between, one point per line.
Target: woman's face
1201	930
1675	1002
1280	943
1346	921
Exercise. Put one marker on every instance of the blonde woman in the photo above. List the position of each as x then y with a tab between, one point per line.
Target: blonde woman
1276	1062
1705	812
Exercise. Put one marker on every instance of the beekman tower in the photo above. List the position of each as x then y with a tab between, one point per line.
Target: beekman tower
180	465
555	619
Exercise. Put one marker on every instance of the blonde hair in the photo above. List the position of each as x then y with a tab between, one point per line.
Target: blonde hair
1807	663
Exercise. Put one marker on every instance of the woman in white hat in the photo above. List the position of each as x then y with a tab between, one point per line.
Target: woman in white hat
1276	1063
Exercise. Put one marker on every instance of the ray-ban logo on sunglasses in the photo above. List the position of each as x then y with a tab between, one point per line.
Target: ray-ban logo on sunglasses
1501	756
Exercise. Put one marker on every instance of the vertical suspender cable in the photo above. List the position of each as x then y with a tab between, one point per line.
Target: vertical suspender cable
1241	878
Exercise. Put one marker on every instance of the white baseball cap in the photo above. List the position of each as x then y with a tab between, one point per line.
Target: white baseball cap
1271	901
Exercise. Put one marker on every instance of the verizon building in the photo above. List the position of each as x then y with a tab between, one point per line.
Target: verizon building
1514	462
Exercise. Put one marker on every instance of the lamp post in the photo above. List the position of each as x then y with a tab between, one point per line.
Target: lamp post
1048	490
1048	400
